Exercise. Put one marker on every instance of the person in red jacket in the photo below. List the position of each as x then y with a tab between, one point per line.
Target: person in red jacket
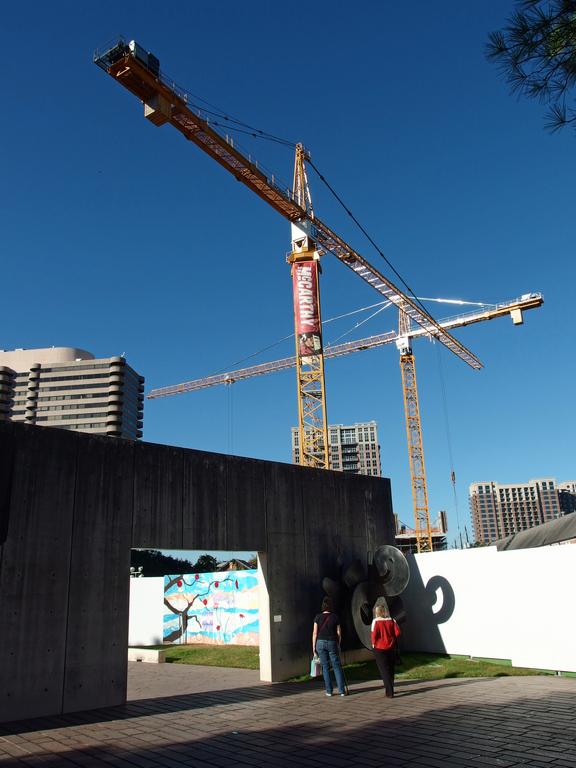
385	630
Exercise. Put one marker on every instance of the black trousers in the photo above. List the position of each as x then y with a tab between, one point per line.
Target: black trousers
385	661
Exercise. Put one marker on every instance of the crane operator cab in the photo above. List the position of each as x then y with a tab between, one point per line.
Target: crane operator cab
148	59
114	53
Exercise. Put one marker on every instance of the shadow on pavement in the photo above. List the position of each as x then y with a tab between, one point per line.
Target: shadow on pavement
403	687
204	700
504	730
162	705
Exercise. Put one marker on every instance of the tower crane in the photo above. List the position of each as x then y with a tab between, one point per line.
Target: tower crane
305	261
403	340
139	72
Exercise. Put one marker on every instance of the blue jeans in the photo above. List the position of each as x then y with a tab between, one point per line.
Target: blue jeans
329	653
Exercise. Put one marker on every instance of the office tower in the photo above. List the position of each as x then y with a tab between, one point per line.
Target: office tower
499	510
353	448
69	388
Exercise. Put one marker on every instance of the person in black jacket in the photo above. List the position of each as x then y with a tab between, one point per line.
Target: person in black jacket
326	637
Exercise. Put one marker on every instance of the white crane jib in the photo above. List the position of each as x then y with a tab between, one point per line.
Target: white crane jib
514	308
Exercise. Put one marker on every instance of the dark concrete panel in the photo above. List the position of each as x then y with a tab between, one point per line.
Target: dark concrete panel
318	501
380	526
34	573
284	511
325	549
292	596
7	459
97	638
246	495
158	487
204	501
350	506
290	590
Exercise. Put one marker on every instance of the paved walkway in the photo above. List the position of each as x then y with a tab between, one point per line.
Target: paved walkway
204	717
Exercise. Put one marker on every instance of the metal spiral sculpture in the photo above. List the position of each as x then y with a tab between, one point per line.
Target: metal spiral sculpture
357	592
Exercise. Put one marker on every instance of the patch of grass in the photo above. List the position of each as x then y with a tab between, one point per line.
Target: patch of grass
429	666
414	666
242	656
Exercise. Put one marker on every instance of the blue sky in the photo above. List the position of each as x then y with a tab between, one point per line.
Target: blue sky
119	237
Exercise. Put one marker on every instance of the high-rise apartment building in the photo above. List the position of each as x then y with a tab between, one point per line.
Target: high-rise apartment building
499	510
353	448
567	496
69	388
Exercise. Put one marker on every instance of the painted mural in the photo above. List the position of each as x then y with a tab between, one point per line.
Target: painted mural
215	608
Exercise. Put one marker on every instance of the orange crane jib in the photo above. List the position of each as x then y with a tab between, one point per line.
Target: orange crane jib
164	102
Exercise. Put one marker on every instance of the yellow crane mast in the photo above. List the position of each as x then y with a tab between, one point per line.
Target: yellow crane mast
422	526
305	261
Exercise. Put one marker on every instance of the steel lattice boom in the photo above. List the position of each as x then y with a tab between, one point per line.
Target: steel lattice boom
514	308
416	454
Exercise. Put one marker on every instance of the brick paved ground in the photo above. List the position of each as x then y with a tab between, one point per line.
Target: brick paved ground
204	717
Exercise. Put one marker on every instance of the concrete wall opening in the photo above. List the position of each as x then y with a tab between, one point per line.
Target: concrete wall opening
205	601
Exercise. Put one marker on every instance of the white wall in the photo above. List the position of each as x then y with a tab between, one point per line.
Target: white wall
264	616
516	605
146	611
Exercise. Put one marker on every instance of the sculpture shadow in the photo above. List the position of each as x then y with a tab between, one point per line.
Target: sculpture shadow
428	606
440	584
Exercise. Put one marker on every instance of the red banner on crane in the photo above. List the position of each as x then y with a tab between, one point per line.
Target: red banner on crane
306	308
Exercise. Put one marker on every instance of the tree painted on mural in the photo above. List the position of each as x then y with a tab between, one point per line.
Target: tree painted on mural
192	595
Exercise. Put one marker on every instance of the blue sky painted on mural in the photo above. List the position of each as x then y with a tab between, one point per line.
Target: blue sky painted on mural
221	606
119	237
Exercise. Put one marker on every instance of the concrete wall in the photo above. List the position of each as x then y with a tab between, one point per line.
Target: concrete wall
72	506
146	625
515	605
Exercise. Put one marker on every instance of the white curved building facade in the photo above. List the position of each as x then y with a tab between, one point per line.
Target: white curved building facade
69	388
